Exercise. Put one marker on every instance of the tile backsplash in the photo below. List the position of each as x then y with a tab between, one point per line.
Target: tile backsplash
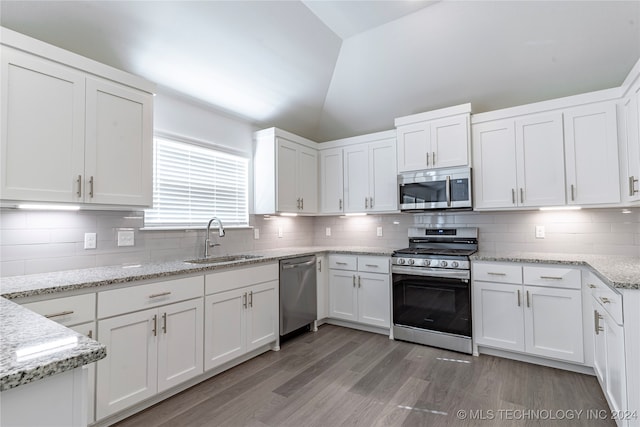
37	242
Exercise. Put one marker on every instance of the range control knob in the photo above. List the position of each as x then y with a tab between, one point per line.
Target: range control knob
443	263
400	261
454	264
411	261
426	262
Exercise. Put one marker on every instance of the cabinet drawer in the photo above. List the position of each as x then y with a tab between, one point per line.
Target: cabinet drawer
373	264
235	278
68	310
494	272
134	298
608	298
343	262
555	277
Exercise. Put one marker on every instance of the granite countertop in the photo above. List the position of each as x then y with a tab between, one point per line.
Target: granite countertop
622	272
34	347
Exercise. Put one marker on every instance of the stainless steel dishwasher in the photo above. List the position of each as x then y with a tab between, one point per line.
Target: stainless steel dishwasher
298	297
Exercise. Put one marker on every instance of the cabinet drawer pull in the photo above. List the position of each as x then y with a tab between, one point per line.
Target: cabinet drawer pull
339	204
79	181
528	304
491	273
354	280
513	196
427	159
155	325
359	282
605	300
632	187
251	299
550	278
161	294
301	203
521	195
320	265
62	313
573	192
433	158
596	322
164	322
366	203
341	263
91	187
244	300
90	334
372	265
518	297
592	286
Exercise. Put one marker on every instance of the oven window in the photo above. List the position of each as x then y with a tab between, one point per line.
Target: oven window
436	304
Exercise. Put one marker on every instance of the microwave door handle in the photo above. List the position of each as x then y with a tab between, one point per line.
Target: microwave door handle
448	190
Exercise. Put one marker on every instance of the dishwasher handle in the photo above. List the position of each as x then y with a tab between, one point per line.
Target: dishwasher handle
300	264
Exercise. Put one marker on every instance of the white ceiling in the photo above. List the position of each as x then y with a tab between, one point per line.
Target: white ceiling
333	69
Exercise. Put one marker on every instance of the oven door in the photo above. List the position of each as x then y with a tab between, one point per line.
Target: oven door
435	190
429	302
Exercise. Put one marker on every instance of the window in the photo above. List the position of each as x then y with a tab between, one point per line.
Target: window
192	183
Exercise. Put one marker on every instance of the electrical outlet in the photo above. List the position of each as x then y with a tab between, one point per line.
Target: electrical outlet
539	231
256	233
90	240
280	232
379	232
327	231
126	238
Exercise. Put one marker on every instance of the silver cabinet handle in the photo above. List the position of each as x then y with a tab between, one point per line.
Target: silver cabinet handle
371	202
341	263
490	273
528	304
244	300
550	278
632	186
366	203
573	192
161	294
320	265
592	286
298	203
447	189
605	300
340	204
521	195
596	322
155	325
427	159
164	323
91	187
90	334
301	203
513	196
62	313
251	299
354	280
372	265
433	158
518	297
359	282
79	181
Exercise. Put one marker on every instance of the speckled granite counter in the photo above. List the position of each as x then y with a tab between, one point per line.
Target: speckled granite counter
21	328
34	347
619	271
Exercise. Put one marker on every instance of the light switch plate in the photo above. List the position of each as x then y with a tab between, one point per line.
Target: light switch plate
327	231
256	233
280	232
126	238
90	240
539	231
379	232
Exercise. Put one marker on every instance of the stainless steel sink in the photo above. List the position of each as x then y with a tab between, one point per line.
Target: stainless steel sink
221	259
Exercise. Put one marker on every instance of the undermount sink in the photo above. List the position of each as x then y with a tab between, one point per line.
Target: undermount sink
221	259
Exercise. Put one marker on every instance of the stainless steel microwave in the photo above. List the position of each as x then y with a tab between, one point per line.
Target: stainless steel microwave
435	189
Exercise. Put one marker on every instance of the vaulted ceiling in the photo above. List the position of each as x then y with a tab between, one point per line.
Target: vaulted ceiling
333	69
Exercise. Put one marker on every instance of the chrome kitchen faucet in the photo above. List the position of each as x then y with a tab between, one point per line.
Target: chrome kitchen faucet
207	240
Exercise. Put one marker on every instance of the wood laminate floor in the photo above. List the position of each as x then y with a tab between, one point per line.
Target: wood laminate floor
344	377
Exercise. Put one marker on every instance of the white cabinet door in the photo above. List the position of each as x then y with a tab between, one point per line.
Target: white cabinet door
540	160
307	178
414	147
89	329
343	295
119	144
287	185
599	344
42	129
373	299
591	144
356	178
494	164
450	142
630	147
262	315
498	316
224	329
383	178
615	378
128	374
322	286
331	184
180	342
553	323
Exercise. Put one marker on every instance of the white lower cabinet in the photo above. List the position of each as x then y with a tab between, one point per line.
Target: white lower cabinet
242	319
356	293
152	349
542	320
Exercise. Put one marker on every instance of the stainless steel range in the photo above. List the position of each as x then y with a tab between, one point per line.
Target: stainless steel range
432	287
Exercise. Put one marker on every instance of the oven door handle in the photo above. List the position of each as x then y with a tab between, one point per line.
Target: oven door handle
432	272
448	191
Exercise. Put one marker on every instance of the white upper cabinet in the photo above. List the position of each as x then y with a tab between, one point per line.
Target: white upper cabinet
436	139
630	145
70	136
591	144
331	181
285	173
540	160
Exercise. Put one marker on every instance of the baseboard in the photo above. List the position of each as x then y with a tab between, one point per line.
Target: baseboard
581	369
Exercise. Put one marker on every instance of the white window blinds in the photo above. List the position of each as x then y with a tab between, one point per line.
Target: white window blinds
192	183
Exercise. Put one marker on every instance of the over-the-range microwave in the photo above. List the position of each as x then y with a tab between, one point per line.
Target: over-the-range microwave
435	189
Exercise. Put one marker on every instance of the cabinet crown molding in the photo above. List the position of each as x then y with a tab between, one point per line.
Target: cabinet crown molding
435	114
